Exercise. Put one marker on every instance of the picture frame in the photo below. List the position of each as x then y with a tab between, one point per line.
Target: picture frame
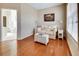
49	17
4	21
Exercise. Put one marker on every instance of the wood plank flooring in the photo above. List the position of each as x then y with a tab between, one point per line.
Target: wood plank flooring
27	47
8	48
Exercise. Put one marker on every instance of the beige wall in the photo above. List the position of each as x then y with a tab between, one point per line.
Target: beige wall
60	16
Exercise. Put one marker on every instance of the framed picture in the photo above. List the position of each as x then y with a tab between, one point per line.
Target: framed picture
49	17
4	21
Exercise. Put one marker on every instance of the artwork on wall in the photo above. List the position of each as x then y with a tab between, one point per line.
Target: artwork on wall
49	17
4	21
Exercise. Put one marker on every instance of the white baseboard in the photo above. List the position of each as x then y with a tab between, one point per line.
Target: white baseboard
25	36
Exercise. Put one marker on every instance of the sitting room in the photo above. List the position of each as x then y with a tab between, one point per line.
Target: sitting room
43	29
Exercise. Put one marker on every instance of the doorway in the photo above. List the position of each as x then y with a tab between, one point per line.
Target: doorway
8	24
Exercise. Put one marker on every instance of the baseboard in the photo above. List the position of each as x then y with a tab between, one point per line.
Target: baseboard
26	36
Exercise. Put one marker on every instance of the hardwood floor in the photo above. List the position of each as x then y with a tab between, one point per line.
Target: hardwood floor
27	47
8	48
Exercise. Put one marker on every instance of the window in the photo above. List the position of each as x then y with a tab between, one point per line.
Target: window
72	20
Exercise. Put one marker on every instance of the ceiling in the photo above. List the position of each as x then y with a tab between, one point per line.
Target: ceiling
43	5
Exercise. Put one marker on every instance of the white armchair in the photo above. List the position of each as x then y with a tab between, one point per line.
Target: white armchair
42	38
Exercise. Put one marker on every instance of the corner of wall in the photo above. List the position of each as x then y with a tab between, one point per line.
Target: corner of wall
22	37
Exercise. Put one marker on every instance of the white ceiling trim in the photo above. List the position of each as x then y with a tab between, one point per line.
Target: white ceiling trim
44	5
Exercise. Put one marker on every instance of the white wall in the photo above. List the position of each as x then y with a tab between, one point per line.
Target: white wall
28	18
60	15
